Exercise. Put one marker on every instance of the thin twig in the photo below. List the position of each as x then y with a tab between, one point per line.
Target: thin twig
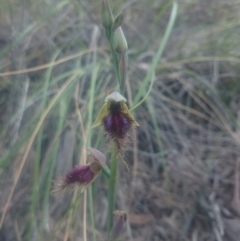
60	61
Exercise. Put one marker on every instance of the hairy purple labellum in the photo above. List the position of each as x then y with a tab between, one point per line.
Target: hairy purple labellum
82	175
79	174
116	120
116	123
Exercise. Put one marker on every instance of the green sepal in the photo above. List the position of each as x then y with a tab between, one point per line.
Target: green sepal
117	22
126	111
103	112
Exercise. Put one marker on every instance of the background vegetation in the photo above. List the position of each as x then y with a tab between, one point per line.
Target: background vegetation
55	71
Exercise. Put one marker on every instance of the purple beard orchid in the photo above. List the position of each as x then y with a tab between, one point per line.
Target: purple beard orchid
116	119
82	175
79	174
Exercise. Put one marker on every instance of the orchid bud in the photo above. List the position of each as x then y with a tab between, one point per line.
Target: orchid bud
120	223
107	18
119	40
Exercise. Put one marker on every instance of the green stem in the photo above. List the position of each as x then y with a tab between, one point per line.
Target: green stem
90	196
106	171
112	190
115	60
158	55
90	113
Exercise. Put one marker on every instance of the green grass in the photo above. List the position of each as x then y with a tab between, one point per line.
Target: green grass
188	122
